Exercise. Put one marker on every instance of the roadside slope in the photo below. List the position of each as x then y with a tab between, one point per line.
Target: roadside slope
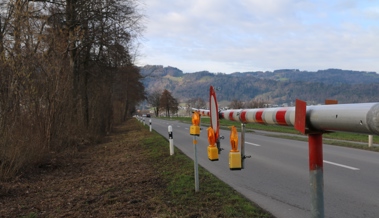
126	176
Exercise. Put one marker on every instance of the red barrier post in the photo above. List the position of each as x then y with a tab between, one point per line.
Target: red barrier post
316	176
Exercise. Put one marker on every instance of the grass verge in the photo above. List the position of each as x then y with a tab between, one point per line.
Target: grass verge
214	199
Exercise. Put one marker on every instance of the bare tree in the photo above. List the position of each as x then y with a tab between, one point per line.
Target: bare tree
174	106
189	106
66	70
236	104
255	103
200	103
168	103
195	103
154	99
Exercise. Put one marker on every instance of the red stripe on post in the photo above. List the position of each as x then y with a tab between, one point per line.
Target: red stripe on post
315	151
243	117
258	116
231	116
300	115
281	117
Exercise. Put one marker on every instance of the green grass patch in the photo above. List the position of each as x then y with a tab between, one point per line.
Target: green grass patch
351	137
30	215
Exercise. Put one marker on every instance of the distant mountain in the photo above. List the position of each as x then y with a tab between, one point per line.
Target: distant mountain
277	87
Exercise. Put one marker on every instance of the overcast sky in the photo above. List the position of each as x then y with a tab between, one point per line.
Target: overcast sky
251	35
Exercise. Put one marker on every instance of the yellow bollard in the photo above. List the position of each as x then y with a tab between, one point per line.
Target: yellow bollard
212	149
195	128
235	160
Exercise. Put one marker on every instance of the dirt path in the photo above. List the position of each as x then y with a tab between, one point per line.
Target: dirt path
111	179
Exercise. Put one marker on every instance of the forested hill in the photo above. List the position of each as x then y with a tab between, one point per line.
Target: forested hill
277	87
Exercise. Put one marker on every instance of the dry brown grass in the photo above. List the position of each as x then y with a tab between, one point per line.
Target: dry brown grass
128	175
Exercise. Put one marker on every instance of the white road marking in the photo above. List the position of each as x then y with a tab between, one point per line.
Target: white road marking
186	128
252	144
341	165
178	126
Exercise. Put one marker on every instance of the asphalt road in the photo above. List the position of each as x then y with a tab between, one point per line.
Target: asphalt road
276	177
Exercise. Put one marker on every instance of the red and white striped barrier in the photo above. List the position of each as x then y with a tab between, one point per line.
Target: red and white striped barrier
273	116
311	120
202	112
357	118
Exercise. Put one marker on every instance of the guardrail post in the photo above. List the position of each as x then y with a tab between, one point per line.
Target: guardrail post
171	139
150	125
316	175
370	140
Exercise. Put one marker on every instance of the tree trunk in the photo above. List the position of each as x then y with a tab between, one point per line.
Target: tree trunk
1	40
79	82
84	81
17	27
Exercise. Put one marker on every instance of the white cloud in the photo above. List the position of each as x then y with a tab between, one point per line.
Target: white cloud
249	35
